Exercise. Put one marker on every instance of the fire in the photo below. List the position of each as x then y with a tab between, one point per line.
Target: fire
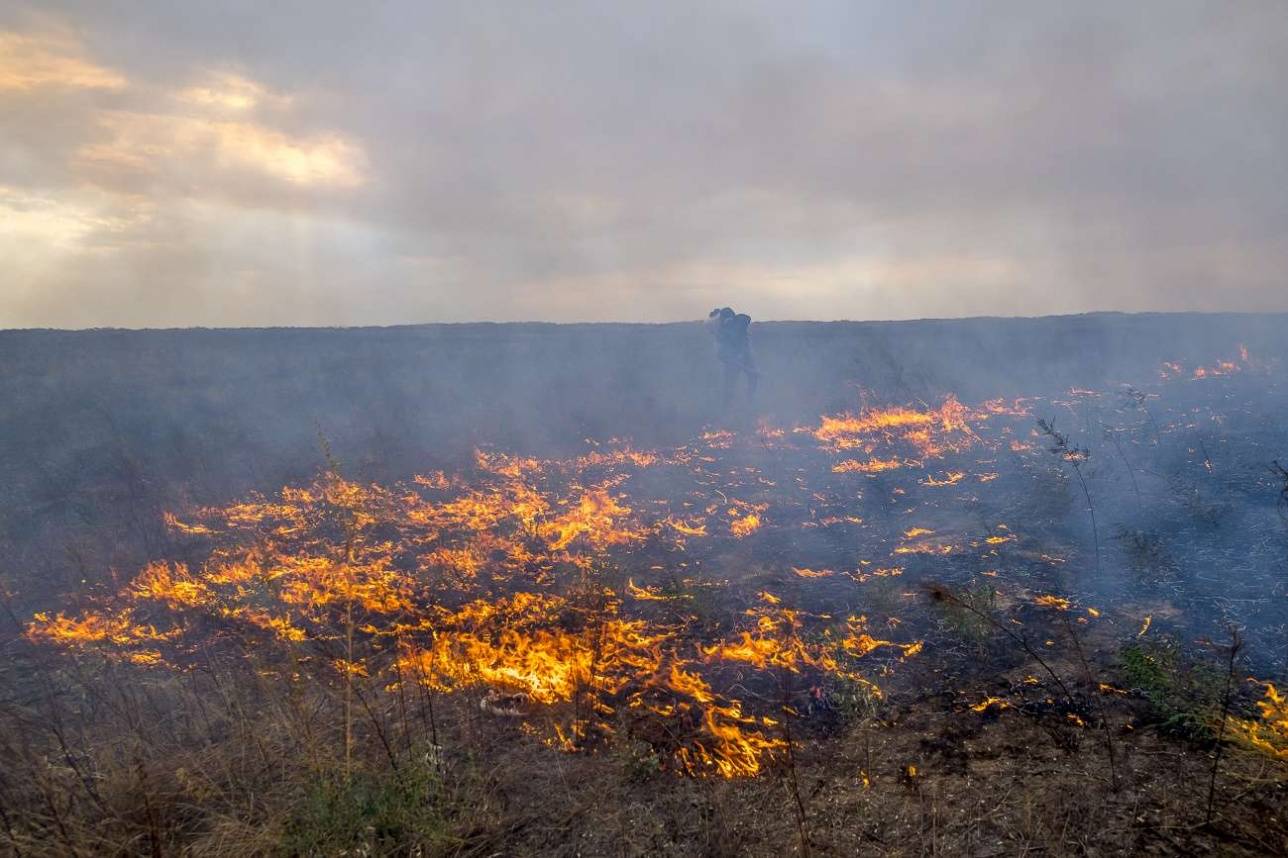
1014	408
597	517
990	702
929	432
776	642
119	628
187	529
510	645
643	593
745	526
737	747
872	466
1173	370
719	439
1224	367
916	544
1269	732
337	563
555	589
863	576
686	528
171	585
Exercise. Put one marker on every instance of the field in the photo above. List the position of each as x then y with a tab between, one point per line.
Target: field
983	587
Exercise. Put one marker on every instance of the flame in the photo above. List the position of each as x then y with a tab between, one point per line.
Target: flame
718	439
508	645
1220	368
872	466
988	702
508	581
596	517
1269	732
1014	408
687	528
643	594
171	585
921	546
925	434
187	529
118	628
316	559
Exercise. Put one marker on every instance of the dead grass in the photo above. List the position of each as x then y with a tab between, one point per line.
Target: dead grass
226	761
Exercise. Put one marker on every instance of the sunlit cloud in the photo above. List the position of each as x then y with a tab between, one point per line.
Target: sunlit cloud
40	235
30	62
34	219
231	92
150	143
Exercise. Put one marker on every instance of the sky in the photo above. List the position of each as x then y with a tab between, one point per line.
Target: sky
337	163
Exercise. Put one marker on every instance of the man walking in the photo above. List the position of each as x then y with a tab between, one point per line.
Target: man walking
733	347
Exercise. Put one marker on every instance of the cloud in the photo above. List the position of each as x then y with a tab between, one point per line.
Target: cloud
577	163
154	144
230	92
30	62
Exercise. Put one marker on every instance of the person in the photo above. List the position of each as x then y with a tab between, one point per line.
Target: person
733	348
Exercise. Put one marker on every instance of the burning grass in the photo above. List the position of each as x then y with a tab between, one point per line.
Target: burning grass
689	608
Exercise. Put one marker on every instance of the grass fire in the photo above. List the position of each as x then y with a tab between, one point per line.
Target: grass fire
859	607
646	430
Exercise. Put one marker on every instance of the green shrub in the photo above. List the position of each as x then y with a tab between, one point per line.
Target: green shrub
371	813
1183	697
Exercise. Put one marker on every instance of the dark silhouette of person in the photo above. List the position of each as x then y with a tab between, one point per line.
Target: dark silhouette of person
733	348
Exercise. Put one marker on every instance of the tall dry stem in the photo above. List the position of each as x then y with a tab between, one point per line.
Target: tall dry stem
1075	457
1232	652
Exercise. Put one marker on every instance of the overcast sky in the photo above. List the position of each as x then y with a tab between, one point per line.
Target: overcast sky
230	163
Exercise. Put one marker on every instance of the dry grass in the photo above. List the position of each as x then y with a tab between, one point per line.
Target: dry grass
226	760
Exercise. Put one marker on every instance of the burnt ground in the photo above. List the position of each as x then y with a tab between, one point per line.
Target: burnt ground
991	784
103	430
